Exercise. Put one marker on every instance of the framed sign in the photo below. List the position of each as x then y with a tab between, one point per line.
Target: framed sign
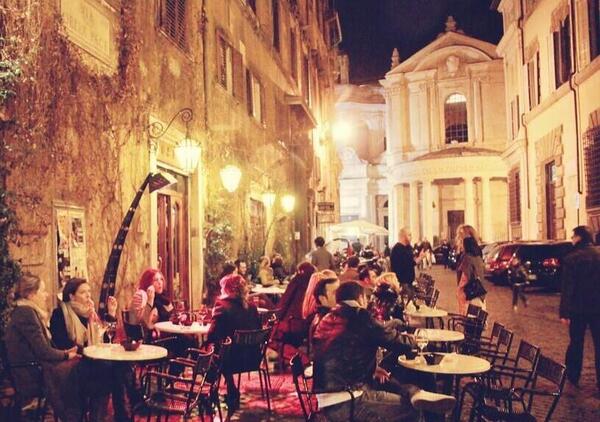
71	243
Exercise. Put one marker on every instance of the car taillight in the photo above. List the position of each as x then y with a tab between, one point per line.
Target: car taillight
551	263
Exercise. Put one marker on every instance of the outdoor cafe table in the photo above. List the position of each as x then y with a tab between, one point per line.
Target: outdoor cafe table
437	335
196	329
428	313
453	364
270	290
116	353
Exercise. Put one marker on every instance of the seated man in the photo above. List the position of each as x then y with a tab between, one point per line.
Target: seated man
324	294
345	345
350	272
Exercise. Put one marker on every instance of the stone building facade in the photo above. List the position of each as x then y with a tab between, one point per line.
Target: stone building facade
551	52
258	78
445	131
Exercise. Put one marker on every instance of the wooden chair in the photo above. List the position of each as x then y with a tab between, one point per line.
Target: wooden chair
307	395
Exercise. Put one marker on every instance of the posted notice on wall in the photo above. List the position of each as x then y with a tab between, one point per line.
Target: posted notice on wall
71	244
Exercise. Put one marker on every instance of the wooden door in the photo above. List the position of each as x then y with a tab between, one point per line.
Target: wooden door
455	219
173	243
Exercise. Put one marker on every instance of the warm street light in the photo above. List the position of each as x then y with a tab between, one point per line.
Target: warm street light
288	202
268	198
342	131
187	150
230	177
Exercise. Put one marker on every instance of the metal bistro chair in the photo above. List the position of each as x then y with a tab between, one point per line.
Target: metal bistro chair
517	370
307	395
552	372
10	394
166	394
500	351
248	354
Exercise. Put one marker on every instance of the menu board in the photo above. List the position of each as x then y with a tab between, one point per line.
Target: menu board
71	244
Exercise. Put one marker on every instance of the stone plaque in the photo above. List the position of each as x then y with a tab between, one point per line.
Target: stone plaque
89	26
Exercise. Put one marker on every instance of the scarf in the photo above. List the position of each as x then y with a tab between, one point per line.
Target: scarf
78	333
41	314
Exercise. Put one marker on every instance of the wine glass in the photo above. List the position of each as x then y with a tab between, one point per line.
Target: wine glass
421	339
111	330
203	313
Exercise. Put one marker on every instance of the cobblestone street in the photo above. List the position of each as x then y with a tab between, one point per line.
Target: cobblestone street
539	324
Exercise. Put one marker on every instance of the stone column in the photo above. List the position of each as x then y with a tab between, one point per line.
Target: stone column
413	204
469	201
486	213
396	212
427	210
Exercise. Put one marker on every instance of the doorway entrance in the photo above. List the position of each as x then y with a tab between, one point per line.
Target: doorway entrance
173	245
455	219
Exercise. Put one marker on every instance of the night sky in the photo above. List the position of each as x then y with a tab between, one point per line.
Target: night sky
372	28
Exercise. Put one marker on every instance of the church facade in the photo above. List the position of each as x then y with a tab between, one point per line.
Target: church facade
445	133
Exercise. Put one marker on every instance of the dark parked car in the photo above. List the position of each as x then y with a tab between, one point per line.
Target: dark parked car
453	258
497	262
538	264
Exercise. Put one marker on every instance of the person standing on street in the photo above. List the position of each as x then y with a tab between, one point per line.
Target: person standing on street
403	261
579	300
321	257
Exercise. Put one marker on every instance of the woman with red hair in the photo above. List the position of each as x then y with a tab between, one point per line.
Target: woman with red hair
149	303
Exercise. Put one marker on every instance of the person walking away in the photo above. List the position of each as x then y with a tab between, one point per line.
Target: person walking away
403	261
463	232
471	267
321	257
357	246
445	249
580	299
350	272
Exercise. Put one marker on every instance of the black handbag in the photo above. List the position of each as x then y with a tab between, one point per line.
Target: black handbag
474	288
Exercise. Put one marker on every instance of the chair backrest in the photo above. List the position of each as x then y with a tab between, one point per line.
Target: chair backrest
303	388
431	300
473	310
496	328
132	331
248	350
527	352
553	372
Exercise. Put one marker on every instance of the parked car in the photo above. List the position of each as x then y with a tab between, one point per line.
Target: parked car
488	249
497	262
538	264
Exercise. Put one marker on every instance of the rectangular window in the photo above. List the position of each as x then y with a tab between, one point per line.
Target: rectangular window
305	79
514	193
533	79
275	13
293	55
591	148
172	21
550	190
515	117
594	27
563	64
224	63
254	96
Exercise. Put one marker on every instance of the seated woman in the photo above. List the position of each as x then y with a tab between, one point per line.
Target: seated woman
265	272
232	312
149	304
75	323
278	268
28	339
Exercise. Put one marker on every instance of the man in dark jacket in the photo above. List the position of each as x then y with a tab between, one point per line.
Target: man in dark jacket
345	346
402	259
580	299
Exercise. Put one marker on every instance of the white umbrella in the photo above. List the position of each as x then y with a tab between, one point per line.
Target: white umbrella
358	227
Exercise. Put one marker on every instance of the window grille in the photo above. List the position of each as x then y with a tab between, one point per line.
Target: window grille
455	115
591	148
514	192
172	21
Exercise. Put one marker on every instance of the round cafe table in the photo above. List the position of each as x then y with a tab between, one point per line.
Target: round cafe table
436	335
270	290
116	353
196	328
454	365
429	314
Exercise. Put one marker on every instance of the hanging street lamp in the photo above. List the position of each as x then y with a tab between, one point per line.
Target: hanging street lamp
230	177
288	202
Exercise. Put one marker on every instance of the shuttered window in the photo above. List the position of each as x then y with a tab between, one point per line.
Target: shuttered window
533	79
591	149
224	63
594	27
562	52
294	55
515	117
239	76
172	18
254	97
275	15
514	194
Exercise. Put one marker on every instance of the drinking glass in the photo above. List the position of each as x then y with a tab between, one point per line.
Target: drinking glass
203	314
421	339
111	329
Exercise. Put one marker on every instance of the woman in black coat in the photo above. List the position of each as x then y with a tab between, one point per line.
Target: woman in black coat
29	340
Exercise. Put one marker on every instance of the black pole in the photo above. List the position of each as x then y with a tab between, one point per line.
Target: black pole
112	267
